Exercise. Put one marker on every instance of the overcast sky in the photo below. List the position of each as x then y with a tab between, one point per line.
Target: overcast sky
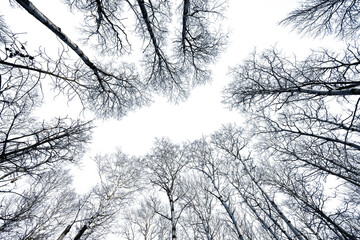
252	24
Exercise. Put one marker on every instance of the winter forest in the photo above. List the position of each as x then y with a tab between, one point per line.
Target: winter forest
290	169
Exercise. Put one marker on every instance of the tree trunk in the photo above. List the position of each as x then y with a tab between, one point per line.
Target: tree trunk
184	24
228	211
55	29
81	232
274	205
66	231
262	221
173	220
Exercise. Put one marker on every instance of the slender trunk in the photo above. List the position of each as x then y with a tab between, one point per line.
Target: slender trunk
276	223
336	228
228	211
232	217
207	232
145	17
66	231
55	29
158	52
262	221
81	232
353	91
173	220
184	24
342	231
274	205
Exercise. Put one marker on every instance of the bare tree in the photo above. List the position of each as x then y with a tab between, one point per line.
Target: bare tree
120	180
29	146
232	141
200	41
108	91
143	220
36	208
37	197
272	79
316	204
210	163
49	208
305	119
326	17
33	152
166	164
265	218
114	88
28	149
316	148
203	218
307	194
311	137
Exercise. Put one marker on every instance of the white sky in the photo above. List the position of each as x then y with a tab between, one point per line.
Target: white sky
252	23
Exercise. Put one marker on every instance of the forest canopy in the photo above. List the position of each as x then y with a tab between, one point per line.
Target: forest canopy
290	170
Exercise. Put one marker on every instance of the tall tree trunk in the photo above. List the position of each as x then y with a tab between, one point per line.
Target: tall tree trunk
228	210
335	227
81	232
272	203
260	219
145	17
66	231
184	24
173	220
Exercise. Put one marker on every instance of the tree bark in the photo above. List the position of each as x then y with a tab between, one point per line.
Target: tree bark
173	220
66	231
81	232
184	24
